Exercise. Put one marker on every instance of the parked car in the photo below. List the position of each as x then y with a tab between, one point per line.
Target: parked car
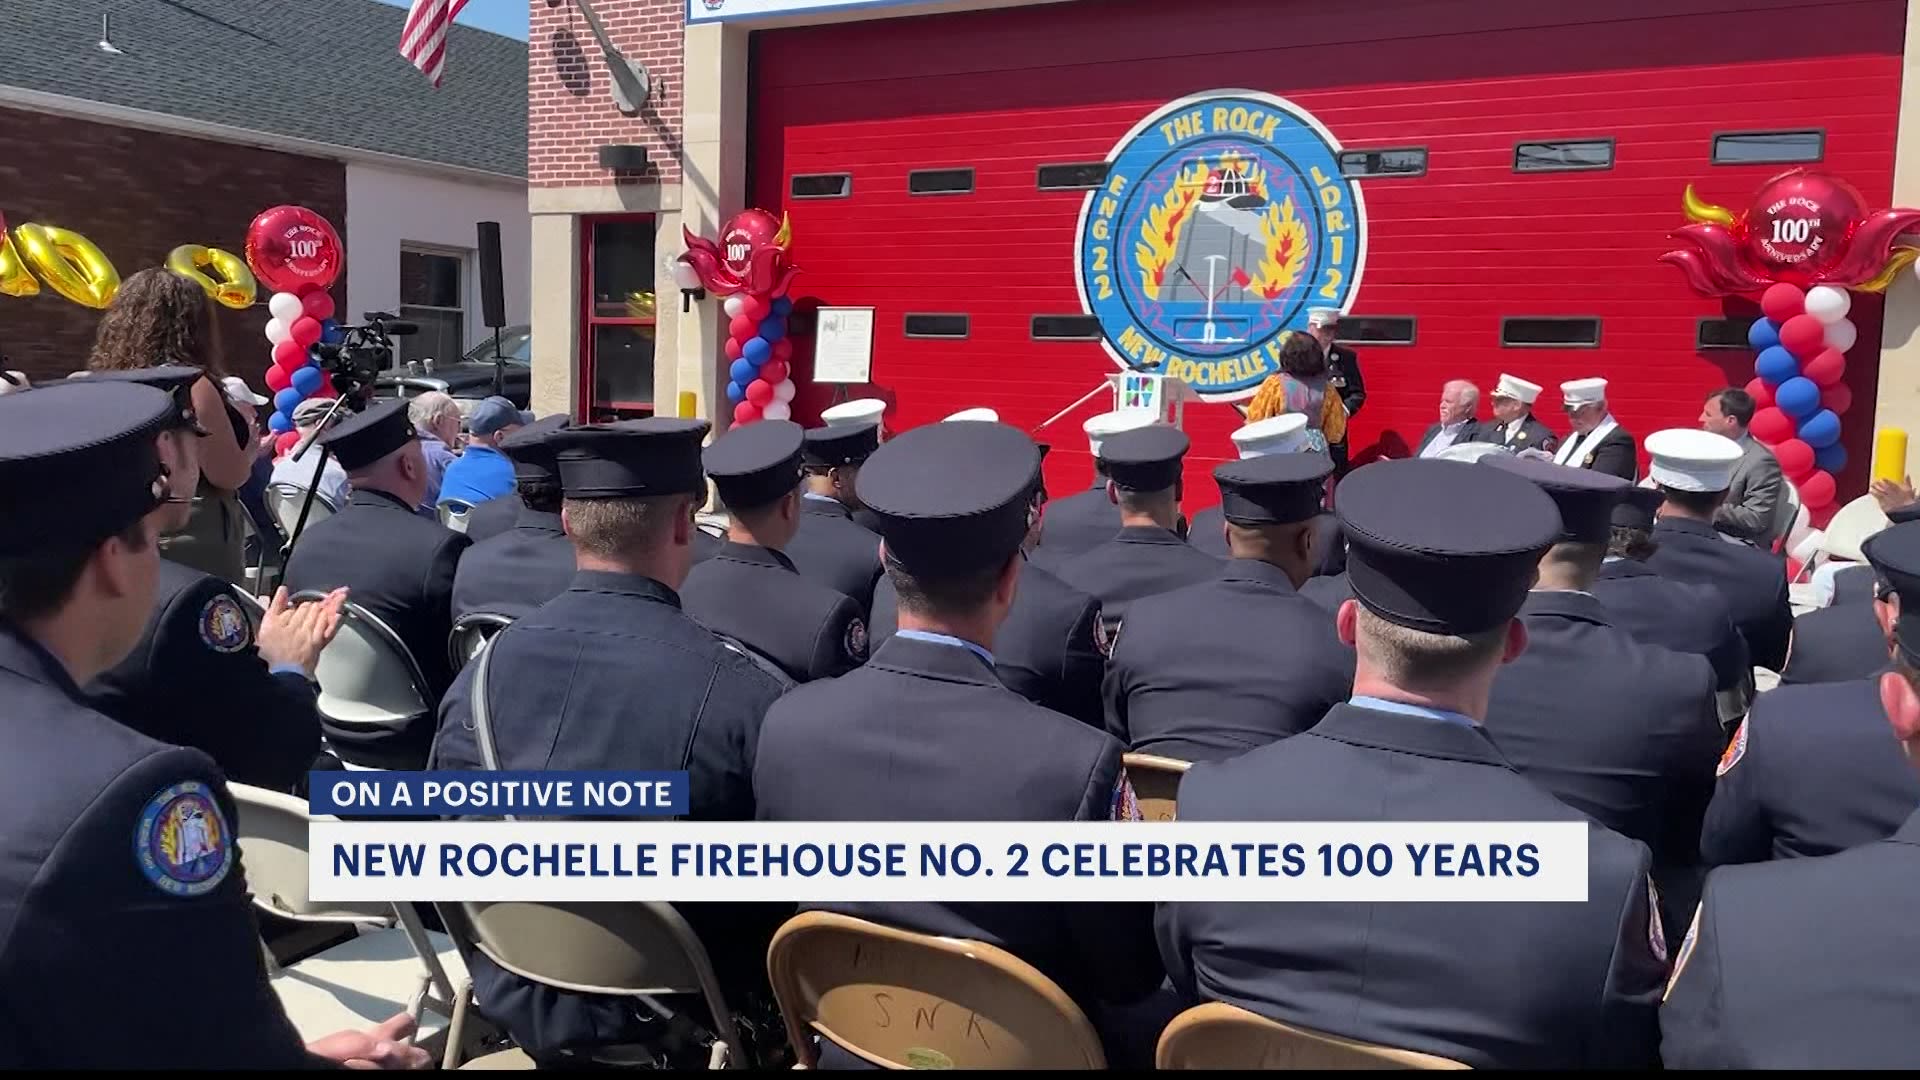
470	378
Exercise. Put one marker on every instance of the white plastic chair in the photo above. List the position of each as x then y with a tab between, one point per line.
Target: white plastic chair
369	682
1851	526
470	634
455	514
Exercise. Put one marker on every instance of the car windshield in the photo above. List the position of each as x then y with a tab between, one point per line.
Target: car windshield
516	344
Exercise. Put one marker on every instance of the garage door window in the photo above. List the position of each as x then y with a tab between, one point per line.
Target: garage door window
1410	161
1722	334
1376	330
1768	147
1550	333
618	345
940	182
432	294
1572	155
1072	177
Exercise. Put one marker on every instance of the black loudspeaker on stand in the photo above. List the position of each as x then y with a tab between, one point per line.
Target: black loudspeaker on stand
492	301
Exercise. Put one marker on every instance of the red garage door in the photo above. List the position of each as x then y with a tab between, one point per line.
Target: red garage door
1514	169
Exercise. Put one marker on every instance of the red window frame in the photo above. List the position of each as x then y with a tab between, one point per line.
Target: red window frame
587	406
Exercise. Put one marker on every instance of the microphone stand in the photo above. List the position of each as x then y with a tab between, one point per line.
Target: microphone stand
313	486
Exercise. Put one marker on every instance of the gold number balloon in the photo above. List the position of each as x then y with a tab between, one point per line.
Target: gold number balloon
15	278
235	287
69	263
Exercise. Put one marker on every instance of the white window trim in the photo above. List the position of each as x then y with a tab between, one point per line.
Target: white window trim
470	315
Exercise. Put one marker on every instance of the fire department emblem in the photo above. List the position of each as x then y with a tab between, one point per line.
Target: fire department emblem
1224	217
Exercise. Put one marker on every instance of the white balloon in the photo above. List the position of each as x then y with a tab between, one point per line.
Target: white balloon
277	331
1828	304
783	390
734	306
285	306
1841	335
776	410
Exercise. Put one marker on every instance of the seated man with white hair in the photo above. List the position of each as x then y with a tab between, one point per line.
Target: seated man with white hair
1514	426
334	487
1283	434
1598	441
1459	403
436	419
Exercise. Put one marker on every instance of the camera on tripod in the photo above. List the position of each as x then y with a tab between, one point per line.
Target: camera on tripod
357	359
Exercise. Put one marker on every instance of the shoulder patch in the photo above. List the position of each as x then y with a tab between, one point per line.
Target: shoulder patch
181	843
1126	806
1686	952
856	638
1656	933
1103	638
223	626
1736	750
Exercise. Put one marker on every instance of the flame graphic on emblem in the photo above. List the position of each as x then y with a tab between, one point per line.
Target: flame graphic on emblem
1239	187
1160	233
1286	250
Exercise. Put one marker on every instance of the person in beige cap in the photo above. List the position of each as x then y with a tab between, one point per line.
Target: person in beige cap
1514	426
1598	441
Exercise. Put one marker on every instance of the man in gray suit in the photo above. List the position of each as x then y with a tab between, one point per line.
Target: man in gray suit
1757	500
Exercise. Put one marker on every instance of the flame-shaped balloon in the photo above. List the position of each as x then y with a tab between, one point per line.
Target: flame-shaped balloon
1713	265
1805	228
1702	212
1871	245
1902	258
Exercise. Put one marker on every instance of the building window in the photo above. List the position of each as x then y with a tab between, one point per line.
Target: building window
1066	328
1071	177
940	182
1722	334
1552	332
1375	330
937	326
1409	161
433	294
1573	155
617	343
1768	147
823	186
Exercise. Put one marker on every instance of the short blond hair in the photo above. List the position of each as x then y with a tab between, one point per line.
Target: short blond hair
1418	660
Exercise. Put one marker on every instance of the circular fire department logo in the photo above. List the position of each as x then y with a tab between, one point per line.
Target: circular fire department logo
1223	220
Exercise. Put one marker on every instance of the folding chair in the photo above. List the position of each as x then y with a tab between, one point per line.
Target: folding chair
284	501
1221	1036
1156	783
1851	526
455	514
470	634
394	964
372	694
898	999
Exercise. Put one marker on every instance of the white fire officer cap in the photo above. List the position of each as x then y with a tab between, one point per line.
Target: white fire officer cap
1584	391
1107	424
1688	459
854	413
988	415
1283	434
1323	316
1512	386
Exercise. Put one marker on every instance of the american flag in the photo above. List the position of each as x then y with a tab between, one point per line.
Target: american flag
423	41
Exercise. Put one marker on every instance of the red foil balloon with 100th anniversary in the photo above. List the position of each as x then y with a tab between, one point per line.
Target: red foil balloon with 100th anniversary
293	250
1800	224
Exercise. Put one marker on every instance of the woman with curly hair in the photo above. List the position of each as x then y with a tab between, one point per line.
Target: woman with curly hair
159	318
1301	387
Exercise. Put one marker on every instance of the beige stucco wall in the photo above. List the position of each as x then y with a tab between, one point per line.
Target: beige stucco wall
1898	402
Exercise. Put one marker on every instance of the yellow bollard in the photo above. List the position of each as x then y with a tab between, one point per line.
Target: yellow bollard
1890	455
689	401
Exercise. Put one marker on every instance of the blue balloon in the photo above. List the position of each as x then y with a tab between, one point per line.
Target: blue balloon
279	423
306	381
1763	334
741	371
773	329
1832	458
331	333
1798	397
1776	365
736	391
782	306
1820	430
756	350
285	400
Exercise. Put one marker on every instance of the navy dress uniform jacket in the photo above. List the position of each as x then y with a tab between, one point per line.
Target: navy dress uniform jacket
1517	985
1531	435
493	517
1215	669
925	732
1674	615
754	596
1140	560
1836	644
195	679
1813	770
832	549
1208	533
1617	454
1753	582
1079	522
515	571
1804	964
1048	651
1853	584
169	952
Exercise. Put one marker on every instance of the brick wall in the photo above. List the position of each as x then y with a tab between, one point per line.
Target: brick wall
138	195
570	105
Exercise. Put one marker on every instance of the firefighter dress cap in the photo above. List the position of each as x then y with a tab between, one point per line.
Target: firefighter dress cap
854	413
364	438
1283	434
951	499
1894	554
1273	489
176	379
533	451
1442	546
1583	392
1145	459
1584	498
1106	425
987	415
1512	386
1636	508
78	462
659	455
1687	459
840	445
755	464
1323	316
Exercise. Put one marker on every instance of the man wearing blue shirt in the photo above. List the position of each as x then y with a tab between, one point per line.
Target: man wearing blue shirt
483	472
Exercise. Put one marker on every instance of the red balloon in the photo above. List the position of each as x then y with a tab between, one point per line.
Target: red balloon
291	246
285	442
1804	336
318	305
754	307
1838	397
1771	426
1761	393
733	348
742	328
773	371
289	354
305	331
278	378
746	413
1817	491
1800	224
783	350
1826	369
1796	459
759	392
1783	301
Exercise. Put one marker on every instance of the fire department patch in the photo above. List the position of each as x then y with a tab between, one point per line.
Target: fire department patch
1103	638
181	843
1223	219
1126	806
1736	750
223	626
857	639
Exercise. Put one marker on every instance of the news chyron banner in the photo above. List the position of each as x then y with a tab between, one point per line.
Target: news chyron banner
610	836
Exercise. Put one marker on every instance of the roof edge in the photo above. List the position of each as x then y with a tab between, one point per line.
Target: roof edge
127	116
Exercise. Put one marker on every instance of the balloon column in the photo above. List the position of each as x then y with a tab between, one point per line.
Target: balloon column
297	254
1802	345
749	267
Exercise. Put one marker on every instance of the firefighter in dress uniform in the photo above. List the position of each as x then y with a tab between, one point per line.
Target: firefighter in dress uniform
1086	519
833	546
1513	425
1283	434
1343	375
531	562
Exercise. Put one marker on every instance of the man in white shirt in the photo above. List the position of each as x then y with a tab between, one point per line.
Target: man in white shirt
333	479
1598	442
1459	401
